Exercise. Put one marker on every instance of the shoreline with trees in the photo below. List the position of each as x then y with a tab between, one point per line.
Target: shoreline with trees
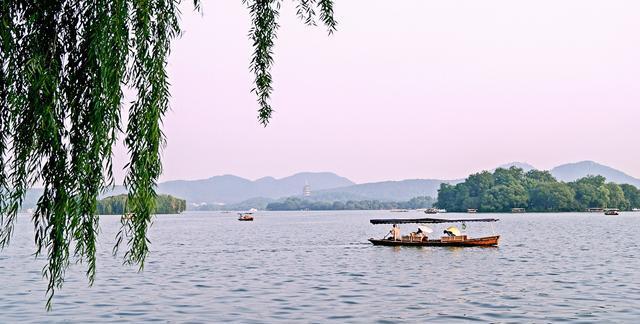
296	203
117	205
535	191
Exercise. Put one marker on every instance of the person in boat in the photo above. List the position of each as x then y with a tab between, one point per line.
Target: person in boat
395	232
417	235
452	231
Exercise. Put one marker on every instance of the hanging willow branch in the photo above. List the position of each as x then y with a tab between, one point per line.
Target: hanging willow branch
63	65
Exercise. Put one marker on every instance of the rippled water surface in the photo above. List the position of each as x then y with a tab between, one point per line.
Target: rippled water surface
318	267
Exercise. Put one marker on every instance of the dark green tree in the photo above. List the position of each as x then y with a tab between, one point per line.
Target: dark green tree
616	197
501	198
591	192
632	195
535	177
63	67
551	196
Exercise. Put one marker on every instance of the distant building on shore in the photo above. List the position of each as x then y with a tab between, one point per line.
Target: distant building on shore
306	190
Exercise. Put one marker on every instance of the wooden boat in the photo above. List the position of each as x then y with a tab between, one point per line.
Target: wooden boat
245	217
454	239
461	240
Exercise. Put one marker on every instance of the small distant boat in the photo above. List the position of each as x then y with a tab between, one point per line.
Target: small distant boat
635	210
245	216
431	211
442	211
517	210
399	210
612	212
595	210
472	210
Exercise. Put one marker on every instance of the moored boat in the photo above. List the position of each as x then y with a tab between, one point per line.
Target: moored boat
431	211
472	210
612	212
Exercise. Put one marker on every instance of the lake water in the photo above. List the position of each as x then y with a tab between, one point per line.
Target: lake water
319	267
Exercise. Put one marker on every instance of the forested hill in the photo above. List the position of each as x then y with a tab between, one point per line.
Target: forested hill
117	205
536	191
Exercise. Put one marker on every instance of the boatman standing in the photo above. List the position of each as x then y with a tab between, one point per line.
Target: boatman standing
395	232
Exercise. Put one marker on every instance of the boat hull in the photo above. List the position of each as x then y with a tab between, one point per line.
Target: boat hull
479	241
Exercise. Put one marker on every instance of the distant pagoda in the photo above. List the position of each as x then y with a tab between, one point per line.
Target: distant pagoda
306	190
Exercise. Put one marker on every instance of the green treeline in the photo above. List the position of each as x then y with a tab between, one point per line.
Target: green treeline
117	205
295	203
537	191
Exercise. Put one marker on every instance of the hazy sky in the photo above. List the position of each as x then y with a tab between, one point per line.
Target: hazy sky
409	89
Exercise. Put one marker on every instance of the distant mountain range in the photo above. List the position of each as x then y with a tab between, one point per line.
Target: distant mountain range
572	171
389	190
336	188
237	191
232	189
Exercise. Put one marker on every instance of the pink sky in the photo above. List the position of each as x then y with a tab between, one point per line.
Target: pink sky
409	89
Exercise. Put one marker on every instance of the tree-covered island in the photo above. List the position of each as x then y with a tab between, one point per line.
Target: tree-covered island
117	205
296	203
537	191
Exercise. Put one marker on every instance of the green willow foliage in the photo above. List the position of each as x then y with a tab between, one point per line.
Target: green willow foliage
63	67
